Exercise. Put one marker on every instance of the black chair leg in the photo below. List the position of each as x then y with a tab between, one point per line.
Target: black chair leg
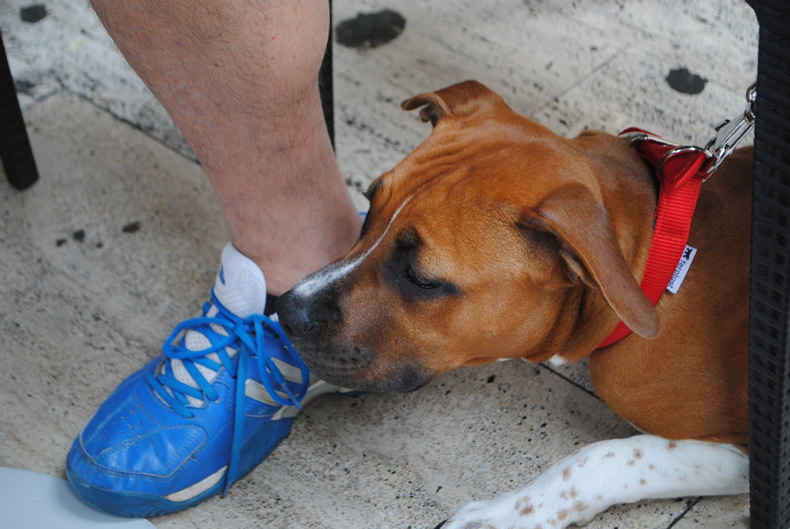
15	152
769	340
325	84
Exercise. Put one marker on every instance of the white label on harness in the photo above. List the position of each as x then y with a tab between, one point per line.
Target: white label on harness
682	269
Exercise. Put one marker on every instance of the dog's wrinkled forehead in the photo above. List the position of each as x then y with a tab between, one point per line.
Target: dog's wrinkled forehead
464	143
338	270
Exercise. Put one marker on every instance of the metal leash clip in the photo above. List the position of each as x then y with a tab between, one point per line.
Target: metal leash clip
730	132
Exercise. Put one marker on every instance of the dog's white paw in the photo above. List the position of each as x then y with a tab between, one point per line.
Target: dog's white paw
527	508
498	513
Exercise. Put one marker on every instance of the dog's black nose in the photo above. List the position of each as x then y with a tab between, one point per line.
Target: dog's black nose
295	316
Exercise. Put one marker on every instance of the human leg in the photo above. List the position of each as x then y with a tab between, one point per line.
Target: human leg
239	79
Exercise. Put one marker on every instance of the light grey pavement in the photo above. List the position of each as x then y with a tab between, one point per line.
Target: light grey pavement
87	302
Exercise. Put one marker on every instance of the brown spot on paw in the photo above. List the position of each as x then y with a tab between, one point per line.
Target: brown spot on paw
524	506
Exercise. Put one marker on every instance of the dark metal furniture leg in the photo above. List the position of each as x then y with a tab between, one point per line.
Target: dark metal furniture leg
15	152
769	341
325	83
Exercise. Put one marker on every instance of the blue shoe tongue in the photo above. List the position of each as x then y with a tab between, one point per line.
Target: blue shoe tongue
240	285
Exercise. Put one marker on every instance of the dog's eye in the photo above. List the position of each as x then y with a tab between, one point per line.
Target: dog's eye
421	282
414	286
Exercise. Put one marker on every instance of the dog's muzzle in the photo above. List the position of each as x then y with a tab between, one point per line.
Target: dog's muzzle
313	325
296	316
317	329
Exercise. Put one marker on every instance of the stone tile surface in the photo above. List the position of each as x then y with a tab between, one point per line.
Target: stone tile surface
120	240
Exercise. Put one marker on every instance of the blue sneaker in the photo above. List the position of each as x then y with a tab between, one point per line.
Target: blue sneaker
199	417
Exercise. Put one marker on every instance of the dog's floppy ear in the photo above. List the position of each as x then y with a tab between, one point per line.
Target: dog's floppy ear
460	100
588	246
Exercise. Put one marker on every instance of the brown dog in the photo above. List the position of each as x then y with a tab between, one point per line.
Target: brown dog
497	239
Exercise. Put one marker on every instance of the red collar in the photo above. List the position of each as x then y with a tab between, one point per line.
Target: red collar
680	171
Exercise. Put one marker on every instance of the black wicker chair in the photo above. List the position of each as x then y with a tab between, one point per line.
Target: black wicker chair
769	368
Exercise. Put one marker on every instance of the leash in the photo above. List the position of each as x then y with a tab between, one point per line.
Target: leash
681	171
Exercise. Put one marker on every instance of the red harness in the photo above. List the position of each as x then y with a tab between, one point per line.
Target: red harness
680	172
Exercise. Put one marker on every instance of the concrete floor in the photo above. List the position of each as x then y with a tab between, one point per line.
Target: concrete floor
120	240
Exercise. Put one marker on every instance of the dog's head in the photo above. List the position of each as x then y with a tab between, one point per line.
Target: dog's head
491	240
